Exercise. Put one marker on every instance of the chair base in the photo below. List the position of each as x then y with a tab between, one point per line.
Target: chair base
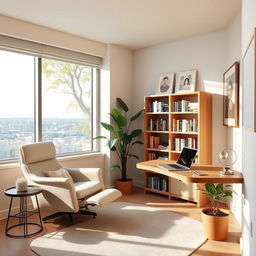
70	214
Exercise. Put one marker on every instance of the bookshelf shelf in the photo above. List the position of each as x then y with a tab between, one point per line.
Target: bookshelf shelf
157	113
156	191
192	133
185	121
183	113
157	131
157	149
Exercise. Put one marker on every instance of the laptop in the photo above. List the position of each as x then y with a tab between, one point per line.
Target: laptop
184	161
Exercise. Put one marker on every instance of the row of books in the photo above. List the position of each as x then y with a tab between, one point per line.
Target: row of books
158	124
158	106
155	155
179	143
154	141
184	125
185	106
158	182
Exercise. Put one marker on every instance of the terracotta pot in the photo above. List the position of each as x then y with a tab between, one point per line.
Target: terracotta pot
215	227
125	186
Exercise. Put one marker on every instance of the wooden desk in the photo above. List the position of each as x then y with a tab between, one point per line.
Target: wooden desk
212	175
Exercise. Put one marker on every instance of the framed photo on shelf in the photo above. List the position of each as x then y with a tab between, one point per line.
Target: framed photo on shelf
230	96
165	83
185	81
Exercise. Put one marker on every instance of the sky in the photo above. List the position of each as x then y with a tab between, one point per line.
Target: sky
17	90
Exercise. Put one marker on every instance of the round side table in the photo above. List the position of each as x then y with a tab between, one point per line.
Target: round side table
23	213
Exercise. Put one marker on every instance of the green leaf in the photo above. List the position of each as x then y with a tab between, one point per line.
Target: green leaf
112	143
134	156
121	104
120	120
107	126
210	188
137	142
100	137
136	115
135	133
115	166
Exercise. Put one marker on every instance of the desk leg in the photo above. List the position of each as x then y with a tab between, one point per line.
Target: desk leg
202	199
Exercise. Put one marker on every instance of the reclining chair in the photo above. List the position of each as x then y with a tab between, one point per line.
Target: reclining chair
65	190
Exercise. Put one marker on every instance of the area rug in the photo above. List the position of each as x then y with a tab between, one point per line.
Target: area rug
125	229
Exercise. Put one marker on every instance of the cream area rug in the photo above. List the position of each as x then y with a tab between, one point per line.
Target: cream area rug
124	229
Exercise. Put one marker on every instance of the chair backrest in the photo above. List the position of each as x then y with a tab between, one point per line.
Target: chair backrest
38	158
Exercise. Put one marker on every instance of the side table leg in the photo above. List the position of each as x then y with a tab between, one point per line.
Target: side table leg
9	211
39	214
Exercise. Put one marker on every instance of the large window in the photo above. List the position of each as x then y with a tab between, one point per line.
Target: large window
66	105
57	94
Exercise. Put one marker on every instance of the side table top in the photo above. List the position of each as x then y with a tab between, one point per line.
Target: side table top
32	190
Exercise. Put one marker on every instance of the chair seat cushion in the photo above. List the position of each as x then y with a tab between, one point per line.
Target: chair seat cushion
86	188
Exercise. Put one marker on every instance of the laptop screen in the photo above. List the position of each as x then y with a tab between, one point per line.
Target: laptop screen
187	156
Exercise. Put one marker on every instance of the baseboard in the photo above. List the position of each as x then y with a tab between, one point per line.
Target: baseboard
4	213
138	183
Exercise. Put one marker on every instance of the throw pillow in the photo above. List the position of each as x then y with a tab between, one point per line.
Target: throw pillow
59	173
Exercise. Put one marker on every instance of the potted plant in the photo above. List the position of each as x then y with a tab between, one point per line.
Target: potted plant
122	141
215	220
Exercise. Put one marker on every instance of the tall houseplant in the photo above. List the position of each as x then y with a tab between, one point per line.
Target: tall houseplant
122	140
216	220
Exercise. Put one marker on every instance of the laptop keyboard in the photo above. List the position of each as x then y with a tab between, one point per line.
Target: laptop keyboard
175	167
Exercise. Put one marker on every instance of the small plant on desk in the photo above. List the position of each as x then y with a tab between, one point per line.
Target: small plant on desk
215	221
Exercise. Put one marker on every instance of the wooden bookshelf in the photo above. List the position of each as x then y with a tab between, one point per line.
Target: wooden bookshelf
188	119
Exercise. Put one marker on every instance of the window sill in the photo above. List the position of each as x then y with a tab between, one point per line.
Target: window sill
61	158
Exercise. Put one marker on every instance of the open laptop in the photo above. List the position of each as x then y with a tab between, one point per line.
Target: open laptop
184	161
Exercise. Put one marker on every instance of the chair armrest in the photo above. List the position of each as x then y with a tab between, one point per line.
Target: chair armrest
86	174
58	193
52	181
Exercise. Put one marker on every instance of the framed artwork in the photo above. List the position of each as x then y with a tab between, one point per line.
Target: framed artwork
249	85
185	81
165	83
230	96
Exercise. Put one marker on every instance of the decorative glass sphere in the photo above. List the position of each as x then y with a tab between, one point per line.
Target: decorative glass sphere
227	158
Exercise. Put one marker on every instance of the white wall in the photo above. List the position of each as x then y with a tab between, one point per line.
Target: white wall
206	53
116	82
234	135
248	146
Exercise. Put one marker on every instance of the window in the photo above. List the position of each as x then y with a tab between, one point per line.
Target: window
62	106
16	103
66	105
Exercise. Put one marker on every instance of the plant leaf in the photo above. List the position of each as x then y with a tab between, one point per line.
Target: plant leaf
111	143
137	142
120	120
115	166
137	115
100	137
135	133
121	104
135	156
107	126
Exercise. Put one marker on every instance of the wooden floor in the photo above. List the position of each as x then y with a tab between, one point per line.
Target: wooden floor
20	247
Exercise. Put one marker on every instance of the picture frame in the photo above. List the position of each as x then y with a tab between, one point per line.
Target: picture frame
185	81
165	83
231	96
249	85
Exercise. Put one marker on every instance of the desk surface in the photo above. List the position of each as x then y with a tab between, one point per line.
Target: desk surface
211	171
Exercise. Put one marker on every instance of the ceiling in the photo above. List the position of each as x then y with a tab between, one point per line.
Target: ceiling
133	24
